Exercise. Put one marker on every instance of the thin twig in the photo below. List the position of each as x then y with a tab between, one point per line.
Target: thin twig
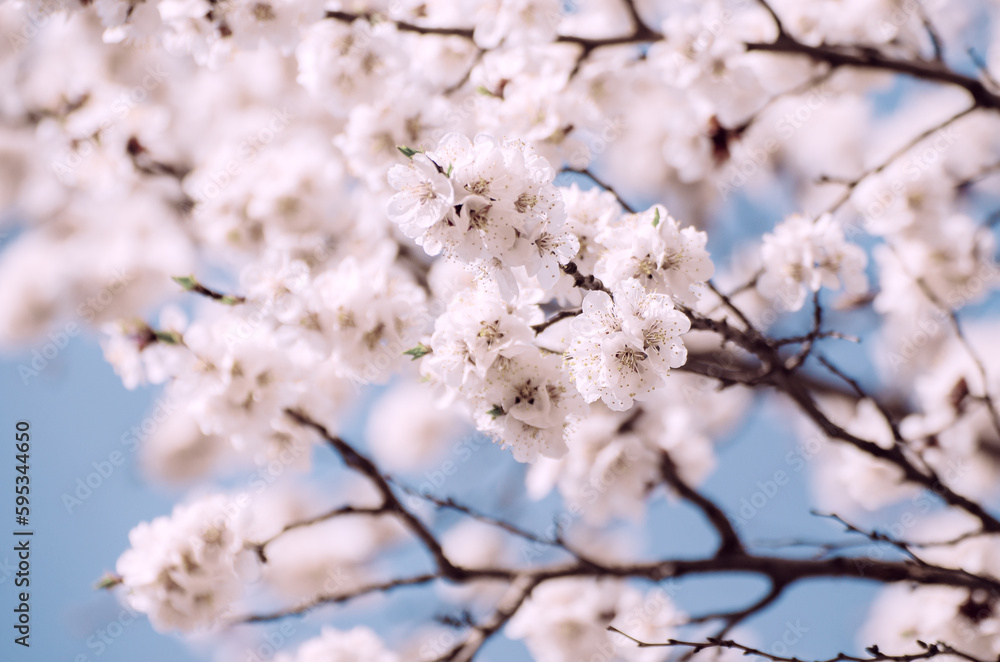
874	536
259	547
810	339
733	618
604	185
863	395
786	381
466	650
558	317
937	45
451	504
641	34
930	650
382	587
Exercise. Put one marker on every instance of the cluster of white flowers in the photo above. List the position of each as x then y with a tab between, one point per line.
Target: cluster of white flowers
483	350
491	205
653	248
484	347
183	570
624	347
803	255
303	335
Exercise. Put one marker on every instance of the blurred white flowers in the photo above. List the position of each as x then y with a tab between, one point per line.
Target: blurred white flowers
803	255
184	571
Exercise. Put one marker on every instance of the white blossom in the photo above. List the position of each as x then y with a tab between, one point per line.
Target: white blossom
625	346
183	571
359	644
528	405
142	355
366	317
425	197
802	256
477	331
489	204
651	247
607	472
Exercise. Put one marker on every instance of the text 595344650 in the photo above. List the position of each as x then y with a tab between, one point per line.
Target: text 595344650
22	534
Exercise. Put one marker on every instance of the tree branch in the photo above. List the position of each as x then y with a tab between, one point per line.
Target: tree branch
930	650
642	33
729	540
363	465
867	58
786	381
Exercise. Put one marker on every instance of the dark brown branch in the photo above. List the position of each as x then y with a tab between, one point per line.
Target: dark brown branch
588	282
774	16
733	618
728	303
874	536
466	650
866	58
729	540
929	480
937	45
558	317
145	163
779	570
946	543
642	34
402	26
639	26
810	339
885	412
